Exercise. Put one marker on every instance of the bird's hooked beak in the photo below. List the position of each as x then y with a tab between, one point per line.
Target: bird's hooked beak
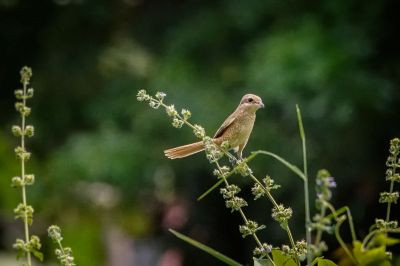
261	104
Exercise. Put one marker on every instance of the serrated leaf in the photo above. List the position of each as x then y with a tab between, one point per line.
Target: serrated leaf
281	259
262	262
206	249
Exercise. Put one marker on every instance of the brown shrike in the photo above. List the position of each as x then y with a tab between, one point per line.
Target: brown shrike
236	129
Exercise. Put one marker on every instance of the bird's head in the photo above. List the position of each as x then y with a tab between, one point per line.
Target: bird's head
251	102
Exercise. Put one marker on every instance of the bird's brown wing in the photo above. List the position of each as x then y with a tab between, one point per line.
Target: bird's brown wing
225	125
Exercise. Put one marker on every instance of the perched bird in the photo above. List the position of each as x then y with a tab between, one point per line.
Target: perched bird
236	129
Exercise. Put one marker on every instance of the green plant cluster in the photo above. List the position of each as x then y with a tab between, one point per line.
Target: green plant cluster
372	250
31	244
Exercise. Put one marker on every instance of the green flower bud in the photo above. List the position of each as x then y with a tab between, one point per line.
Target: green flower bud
19	245
16	130
142	96
54	233
29	93
258	191
171	111
26	74
154	104
17	181
199	131
265	250
160	95
29	131
235	203
29	179
281	214
177	123
186	114
19	94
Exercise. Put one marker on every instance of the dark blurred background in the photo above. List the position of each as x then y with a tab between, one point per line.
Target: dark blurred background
98	153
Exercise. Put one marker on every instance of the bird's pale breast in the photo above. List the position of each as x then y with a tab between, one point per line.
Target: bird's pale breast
239	131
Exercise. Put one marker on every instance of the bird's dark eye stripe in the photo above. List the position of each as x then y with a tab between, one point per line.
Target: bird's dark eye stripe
250	100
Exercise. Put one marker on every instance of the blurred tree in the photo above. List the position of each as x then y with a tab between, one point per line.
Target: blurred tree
339	60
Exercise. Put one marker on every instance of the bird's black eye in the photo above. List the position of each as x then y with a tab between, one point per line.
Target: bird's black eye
250	100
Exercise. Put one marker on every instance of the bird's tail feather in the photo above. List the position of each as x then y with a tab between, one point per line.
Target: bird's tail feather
185	150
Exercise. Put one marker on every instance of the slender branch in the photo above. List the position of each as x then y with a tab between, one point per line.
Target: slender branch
23	187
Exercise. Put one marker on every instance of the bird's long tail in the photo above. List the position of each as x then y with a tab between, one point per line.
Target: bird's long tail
185	150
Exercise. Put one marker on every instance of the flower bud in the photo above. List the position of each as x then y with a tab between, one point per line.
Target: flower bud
16	181
26	74
29	179
16	130
19	94
29	131
29	93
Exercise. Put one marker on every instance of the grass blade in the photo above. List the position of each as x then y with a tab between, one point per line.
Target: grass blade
212	252
292	167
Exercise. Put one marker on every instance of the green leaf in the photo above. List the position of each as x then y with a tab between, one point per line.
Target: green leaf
20	253
385	240
292	167
38	254
375	256
281	259
262	262
210	189
300	121
207	249
325	262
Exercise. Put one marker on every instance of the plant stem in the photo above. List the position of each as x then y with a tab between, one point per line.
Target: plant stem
339	222
245	218
341	242
389	203
319	230
306	194
271	198
24	201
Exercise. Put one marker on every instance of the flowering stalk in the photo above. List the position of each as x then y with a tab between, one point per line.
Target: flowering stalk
64	254
31	243
393	163
214	153
236	204
386	225
324	184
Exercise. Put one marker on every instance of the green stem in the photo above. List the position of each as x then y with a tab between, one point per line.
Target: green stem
335	214
341	242
271	198
319	230
391	188
339	222
24	201
389	203
245	218
306	194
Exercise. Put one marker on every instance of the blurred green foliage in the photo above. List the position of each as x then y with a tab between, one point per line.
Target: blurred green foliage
338	60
